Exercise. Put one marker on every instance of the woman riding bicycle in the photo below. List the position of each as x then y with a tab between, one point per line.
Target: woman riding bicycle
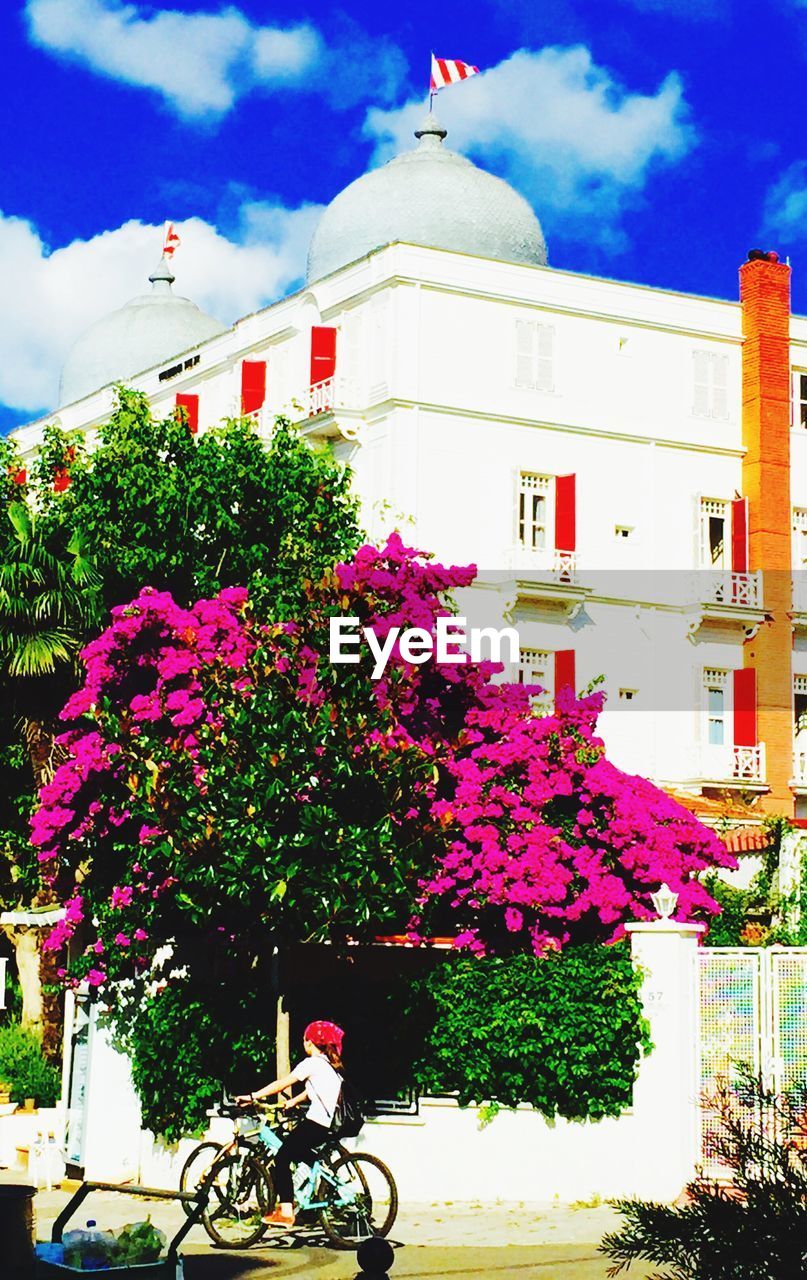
319	1072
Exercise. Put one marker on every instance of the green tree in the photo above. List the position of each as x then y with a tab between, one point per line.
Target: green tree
82	530
157	506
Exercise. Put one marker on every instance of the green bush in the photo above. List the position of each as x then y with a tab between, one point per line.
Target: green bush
564	1033
185	1049
753	1229
24	1068
726	929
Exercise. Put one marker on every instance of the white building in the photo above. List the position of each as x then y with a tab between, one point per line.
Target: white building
628	468
629	476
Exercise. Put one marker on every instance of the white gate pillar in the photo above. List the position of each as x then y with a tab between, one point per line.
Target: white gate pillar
666	1101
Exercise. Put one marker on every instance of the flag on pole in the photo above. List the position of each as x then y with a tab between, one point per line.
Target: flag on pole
171	241
447	71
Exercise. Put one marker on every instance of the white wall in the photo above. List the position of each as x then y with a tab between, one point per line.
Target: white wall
444	1153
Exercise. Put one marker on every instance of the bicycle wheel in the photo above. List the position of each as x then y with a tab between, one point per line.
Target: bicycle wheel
241	1192
197	1165
361	1200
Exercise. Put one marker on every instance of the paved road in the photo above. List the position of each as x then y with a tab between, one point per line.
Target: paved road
452	1240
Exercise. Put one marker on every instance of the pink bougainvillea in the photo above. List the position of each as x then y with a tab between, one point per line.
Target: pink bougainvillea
548	841
225	779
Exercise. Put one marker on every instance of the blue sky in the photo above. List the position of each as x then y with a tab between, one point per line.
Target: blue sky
657	140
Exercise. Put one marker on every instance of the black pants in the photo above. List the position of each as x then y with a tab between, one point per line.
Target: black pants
301	1145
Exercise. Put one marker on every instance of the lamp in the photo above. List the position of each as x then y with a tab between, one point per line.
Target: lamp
665	901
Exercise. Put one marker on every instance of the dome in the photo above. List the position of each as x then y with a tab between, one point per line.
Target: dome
430	196
149	330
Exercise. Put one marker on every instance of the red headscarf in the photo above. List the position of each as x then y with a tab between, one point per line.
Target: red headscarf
324	1033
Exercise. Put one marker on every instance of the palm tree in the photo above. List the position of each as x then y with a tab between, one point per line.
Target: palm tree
49	602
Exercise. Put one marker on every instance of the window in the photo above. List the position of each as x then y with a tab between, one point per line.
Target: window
800	538
799	399
533	510
534	355
800	709
713	533
323	353
710	391
714	683
535	667
253	385
623	531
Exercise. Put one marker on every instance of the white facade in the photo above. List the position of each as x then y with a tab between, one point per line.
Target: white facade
459	383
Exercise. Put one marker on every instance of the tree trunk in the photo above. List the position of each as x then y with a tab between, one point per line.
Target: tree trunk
43	753
27	956
282	1057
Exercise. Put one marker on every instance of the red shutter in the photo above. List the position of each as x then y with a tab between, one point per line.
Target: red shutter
253	385
190	403
323	353
565	513
739	535
745	707
564	670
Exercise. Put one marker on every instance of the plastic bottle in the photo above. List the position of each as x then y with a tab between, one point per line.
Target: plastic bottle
88	1249
74	1242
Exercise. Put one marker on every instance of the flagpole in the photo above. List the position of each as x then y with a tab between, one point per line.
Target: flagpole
431	95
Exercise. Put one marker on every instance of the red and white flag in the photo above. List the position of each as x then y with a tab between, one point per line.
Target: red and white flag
446	71
171	241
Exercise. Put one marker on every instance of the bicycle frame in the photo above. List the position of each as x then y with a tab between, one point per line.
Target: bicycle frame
265	1142
267	1139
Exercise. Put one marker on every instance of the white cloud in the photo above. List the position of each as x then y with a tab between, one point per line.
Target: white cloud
202	63
575	142
48	299
785	211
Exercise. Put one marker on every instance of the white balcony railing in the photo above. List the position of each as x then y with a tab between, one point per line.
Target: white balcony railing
742	590
547	564
321	397
800	767
733	763
328	396
799	596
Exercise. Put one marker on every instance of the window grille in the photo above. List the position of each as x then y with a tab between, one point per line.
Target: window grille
714	531
715	683
533	510
534	667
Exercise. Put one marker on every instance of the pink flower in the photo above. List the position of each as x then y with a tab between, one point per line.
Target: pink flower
121	940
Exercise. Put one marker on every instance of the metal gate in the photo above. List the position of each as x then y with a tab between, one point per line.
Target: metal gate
753	1010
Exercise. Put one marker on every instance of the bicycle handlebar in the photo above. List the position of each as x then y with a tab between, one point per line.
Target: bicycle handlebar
233	1110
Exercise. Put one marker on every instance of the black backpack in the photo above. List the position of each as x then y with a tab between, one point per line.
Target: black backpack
348	1117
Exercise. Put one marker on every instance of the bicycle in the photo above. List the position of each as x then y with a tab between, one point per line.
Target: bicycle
353	1194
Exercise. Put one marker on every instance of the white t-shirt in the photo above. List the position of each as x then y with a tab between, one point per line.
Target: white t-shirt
322	1085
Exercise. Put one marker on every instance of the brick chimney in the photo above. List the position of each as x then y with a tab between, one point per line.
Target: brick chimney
765	299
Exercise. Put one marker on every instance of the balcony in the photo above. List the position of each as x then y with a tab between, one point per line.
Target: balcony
798	782
547	574
738	590
799	597
735	767
728	598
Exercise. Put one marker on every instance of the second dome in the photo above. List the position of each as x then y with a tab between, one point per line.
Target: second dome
429	196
